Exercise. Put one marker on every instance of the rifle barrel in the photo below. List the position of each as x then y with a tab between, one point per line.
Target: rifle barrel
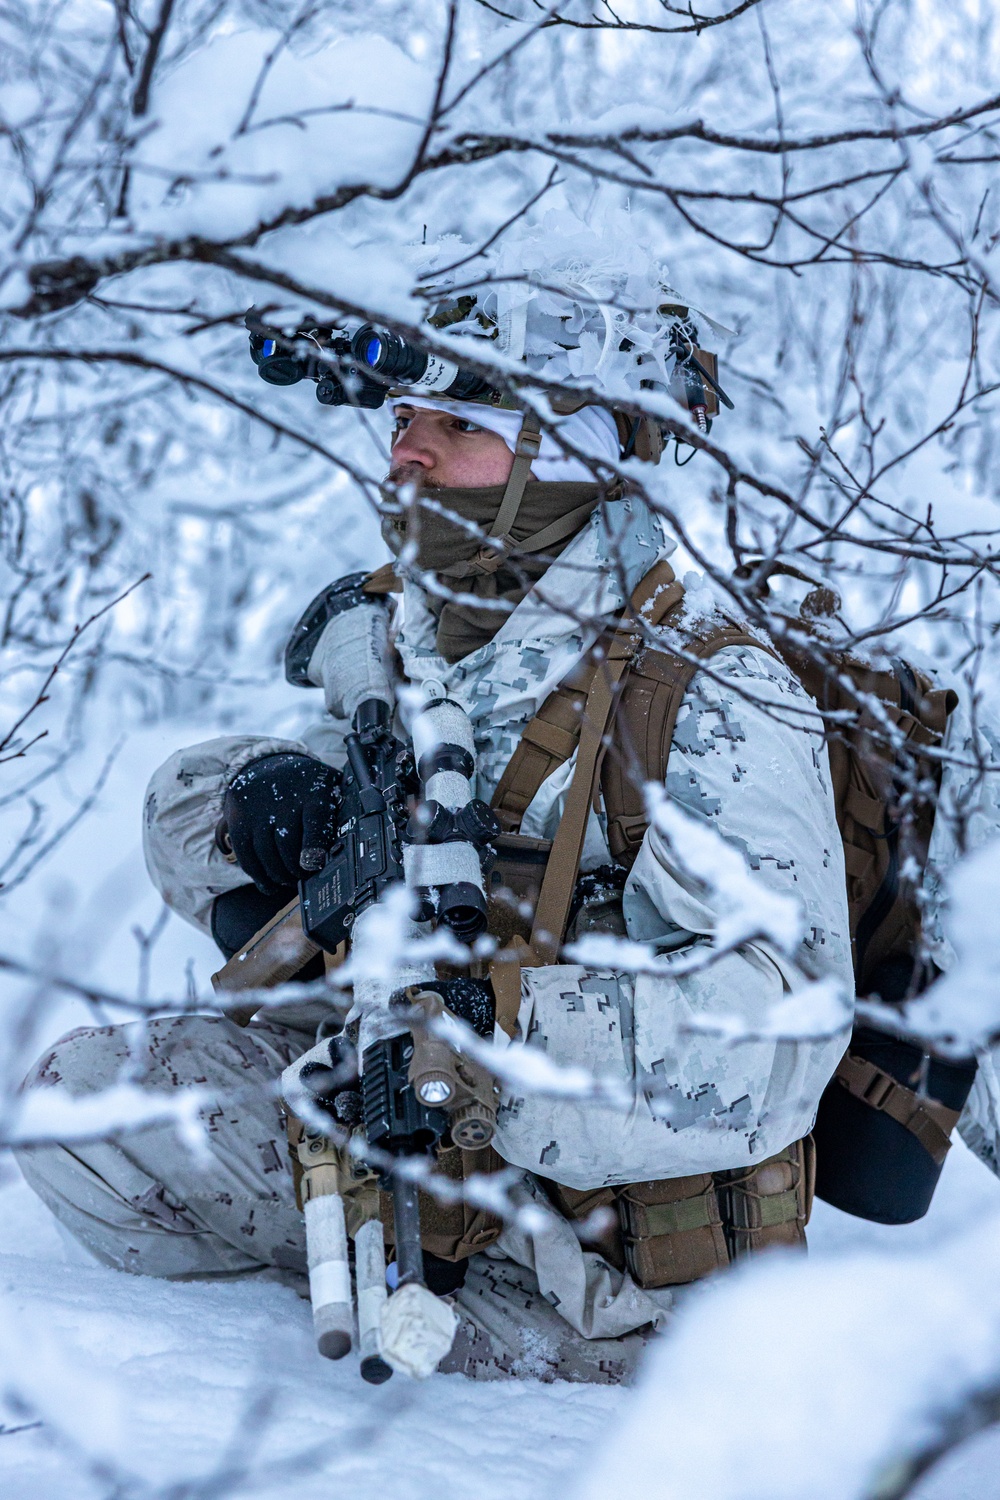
406	1214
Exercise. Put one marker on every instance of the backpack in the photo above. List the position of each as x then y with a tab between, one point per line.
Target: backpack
885	1120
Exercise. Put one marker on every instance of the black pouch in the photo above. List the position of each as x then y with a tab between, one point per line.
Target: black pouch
883	1127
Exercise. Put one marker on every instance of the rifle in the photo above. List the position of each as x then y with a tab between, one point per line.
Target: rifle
406	816
438	851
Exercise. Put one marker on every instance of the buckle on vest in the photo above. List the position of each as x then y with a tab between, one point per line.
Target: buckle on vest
879	1090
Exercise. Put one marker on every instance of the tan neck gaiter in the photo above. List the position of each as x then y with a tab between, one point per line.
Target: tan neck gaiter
456	554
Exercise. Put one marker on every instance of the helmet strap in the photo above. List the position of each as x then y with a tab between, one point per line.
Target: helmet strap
529	440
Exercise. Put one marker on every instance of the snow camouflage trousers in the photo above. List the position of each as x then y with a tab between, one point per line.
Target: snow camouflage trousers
147	1204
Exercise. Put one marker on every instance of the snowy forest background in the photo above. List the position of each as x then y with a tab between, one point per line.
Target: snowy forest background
822	179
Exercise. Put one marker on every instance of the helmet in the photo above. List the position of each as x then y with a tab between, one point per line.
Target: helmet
582	300
587	303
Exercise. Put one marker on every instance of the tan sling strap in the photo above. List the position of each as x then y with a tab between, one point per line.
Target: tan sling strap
560	873
655	596
505	977
931	1122
550	739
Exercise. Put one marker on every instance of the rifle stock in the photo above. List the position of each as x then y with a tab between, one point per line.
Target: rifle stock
273	956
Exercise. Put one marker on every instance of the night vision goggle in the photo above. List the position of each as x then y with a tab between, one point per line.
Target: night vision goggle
360	369
363	368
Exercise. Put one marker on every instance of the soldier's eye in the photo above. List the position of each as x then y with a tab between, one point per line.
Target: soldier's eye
464	425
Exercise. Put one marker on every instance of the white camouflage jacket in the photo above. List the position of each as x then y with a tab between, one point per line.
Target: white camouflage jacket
740	765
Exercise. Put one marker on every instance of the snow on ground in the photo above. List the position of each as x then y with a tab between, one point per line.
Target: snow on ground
212	1376
217	1387
209	1377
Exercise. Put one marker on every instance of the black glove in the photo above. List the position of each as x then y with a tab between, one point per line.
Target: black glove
472	1000
279	815
335	1087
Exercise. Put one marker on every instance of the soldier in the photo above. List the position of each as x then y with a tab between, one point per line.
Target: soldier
712	1159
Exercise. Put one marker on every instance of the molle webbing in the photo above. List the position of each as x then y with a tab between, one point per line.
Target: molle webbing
672	1230
680	1229
768	1204
684	1228
931	1122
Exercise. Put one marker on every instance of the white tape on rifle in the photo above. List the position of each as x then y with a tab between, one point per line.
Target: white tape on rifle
330	1282
418	1329
329	1274
441	864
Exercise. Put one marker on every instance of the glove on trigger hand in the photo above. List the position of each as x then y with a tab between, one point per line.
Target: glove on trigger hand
280	815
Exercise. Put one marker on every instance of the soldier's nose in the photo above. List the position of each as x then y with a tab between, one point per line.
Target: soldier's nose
411	448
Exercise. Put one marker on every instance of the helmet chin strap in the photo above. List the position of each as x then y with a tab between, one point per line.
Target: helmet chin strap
529	440
502	544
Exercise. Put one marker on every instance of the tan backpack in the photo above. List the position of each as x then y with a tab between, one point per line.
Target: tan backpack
619	710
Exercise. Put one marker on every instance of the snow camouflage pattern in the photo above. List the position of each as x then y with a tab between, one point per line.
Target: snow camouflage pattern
750	761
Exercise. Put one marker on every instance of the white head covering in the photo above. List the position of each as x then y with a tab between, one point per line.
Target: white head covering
591	429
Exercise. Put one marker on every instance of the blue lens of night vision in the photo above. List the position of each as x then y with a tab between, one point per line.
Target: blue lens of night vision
268	347
372	351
